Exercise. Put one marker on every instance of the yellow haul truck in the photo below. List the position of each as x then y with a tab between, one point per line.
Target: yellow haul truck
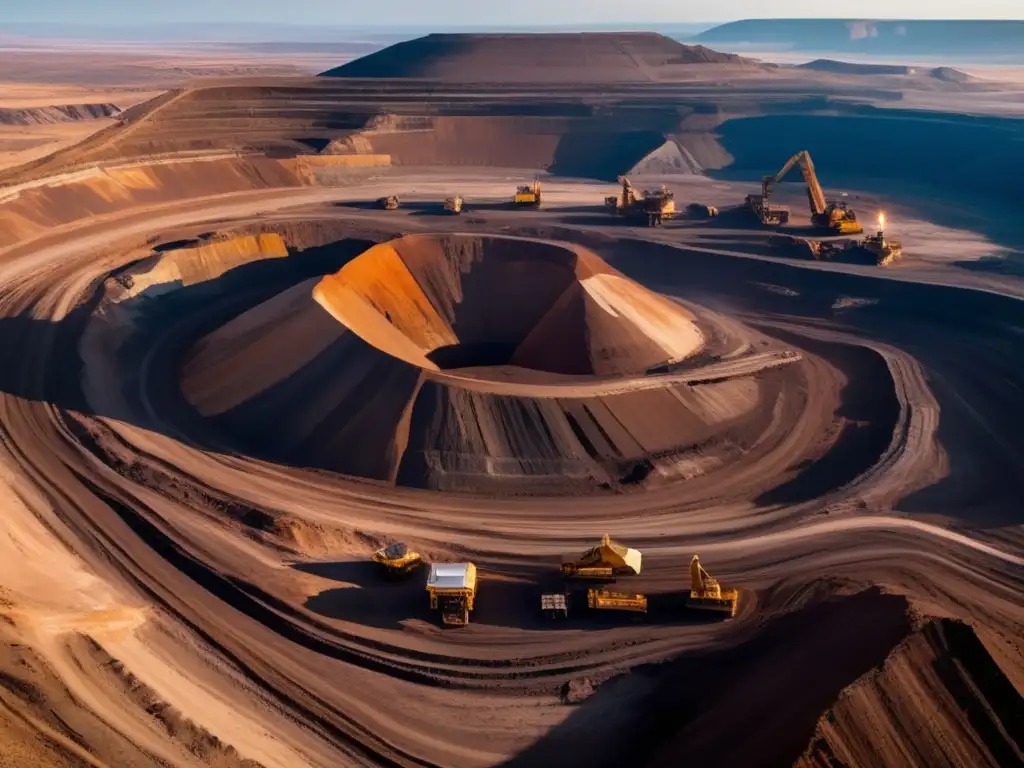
604	562
452	589
453	205
527	196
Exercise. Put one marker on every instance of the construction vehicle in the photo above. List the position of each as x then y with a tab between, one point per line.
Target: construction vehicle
452	589
701	210
389	203
397	559
654	206
796	247
454	204
706	594
874	249
603	600
827	214
528	196
554	605
604	562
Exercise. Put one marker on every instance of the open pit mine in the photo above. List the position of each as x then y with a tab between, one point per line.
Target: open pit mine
295	477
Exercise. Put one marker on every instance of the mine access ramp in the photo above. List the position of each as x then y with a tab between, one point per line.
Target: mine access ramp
452	589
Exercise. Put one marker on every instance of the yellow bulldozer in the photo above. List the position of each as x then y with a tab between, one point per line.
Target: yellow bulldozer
397	559
605	562
528	196
452	590
603	600
706	594
827	214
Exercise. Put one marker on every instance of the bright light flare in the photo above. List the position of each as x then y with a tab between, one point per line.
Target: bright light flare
881	221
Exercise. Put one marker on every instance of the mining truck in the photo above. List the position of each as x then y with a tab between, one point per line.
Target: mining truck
527	196
454	204
389	203
452	590
834	216
702	210
653	206
605	562
397	560
706	594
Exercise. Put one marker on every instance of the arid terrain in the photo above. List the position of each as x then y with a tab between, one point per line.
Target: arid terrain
227	376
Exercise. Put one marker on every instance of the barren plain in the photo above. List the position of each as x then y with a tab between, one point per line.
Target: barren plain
226	377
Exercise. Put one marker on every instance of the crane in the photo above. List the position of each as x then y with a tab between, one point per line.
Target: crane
824	213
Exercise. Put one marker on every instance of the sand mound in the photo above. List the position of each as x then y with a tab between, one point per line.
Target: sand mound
580	58
67	113
420	370
461	301
849	68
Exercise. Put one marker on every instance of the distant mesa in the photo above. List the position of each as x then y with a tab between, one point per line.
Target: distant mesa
947	74
579	58
914	37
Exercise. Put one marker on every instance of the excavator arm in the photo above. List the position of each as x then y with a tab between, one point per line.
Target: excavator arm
815	193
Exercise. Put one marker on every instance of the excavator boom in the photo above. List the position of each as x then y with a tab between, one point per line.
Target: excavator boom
815	194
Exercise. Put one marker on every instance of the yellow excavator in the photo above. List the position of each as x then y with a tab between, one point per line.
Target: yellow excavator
706	594
603	562
397	559
828	214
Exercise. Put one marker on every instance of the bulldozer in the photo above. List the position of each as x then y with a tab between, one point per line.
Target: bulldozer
454	204
653	206
604	562
706	594
603	600
702	210
827	214
397	560
528	196
389	203
452	590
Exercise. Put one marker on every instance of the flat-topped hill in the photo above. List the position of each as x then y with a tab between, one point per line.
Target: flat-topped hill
556	57
869	36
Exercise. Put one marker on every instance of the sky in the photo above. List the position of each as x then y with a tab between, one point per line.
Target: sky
384	13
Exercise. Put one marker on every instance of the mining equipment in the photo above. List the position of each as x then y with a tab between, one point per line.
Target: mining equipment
452	589
706	594
883	250
454	204
527	196
796	247
389	203
555	605
876	248
603	600
654	206
700	210
604	562
397	559
827	214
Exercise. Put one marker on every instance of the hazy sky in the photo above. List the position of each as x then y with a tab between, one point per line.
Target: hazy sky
471	12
